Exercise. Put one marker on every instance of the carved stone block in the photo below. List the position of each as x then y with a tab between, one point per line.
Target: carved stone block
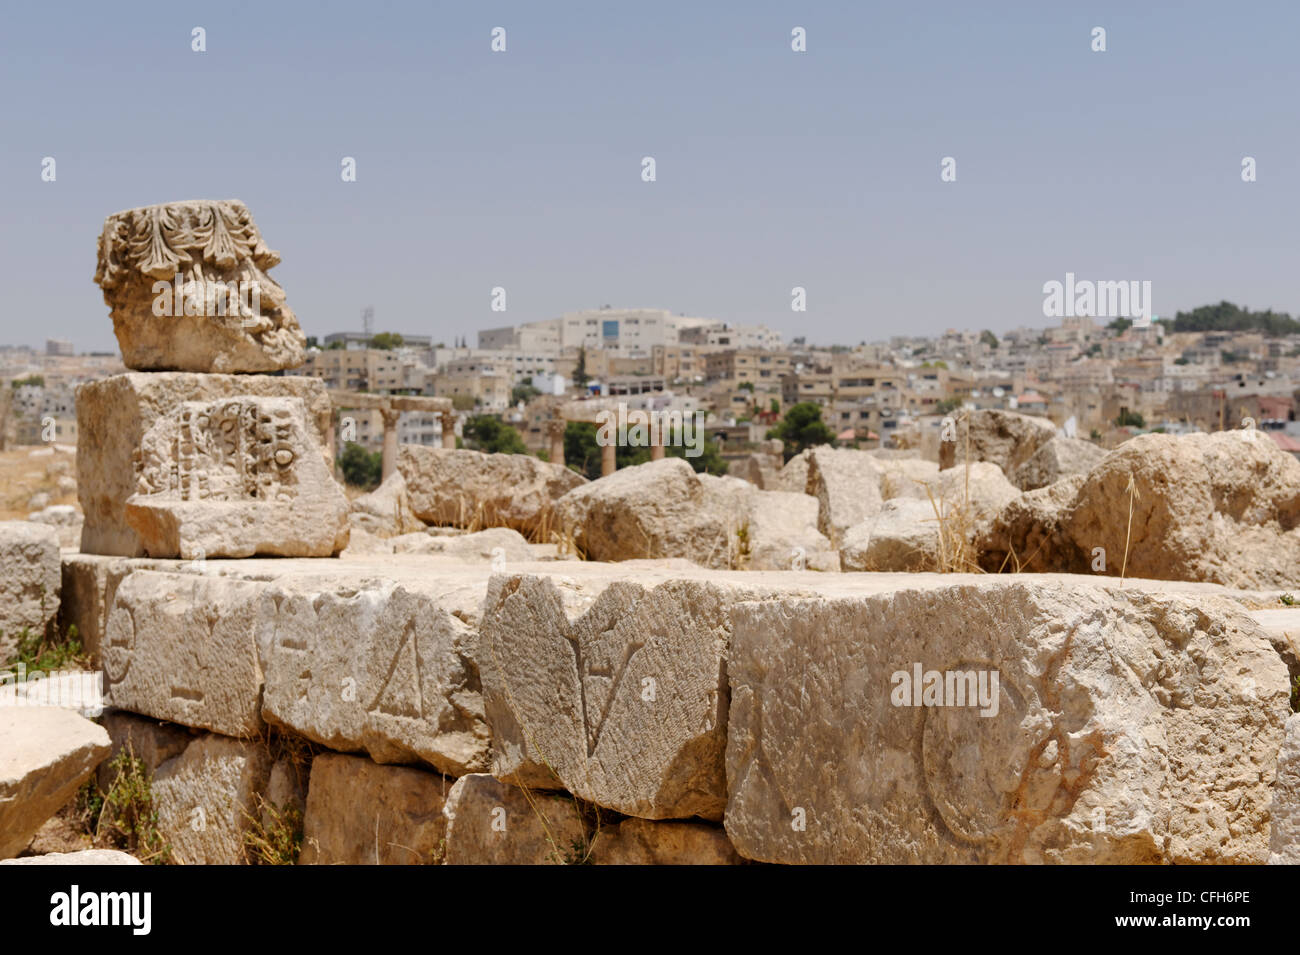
113	415
188	289
236	477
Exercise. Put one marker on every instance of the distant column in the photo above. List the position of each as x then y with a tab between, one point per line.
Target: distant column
608	459
449	429
391	417
555	431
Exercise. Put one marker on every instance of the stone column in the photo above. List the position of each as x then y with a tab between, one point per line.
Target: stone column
555	431
449	430
391	417
608	459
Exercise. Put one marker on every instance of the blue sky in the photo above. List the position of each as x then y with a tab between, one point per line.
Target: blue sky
774	169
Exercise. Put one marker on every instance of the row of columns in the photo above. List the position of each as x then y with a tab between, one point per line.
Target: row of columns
608	453
391	417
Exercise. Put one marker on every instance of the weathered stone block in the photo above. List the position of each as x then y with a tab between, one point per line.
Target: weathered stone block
207	798
45	754
233	478
643	842
620	700
188	289
360	813
493	823
1128	728
188	648
1284	839
30	580
378	668
463	488
150	741
846	484
113	415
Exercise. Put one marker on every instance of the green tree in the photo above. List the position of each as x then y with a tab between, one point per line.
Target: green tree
491	434
1130	419
37	380
312	342
580	376
1227	317
361	468
947	405
386	341
523	392
802	428
988	338
1120	325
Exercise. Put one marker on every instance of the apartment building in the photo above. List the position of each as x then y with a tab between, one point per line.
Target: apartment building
725	335
361	369
762	368
482	383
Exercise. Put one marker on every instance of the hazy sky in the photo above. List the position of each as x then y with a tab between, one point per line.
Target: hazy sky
774	168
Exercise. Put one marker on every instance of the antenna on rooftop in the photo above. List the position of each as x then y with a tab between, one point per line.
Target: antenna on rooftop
368	322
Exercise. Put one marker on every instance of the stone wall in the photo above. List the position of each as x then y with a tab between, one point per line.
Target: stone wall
561	713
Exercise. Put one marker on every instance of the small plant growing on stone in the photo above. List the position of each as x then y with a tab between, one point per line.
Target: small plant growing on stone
37	653
1287	599
274	834
128	818
579	853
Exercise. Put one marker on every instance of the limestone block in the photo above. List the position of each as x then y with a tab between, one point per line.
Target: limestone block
188	648
497	544
90	582
46	753
846	484
207	798
643	842
1056	459
462	488
187	287
150	741
1128	727
83	857
233	478
493	823
1284	839
30	579
621	700
386	511
379	668
361	813
1222	507
1004	438
113	415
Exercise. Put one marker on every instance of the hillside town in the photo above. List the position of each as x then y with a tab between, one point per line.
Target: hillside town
1211	369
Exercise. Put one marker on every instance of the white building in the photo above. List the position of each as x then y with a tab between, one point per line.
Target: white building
537	337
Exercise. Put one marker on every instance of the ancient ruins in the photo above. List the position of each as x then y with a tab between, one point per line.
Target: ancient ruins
1026	651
